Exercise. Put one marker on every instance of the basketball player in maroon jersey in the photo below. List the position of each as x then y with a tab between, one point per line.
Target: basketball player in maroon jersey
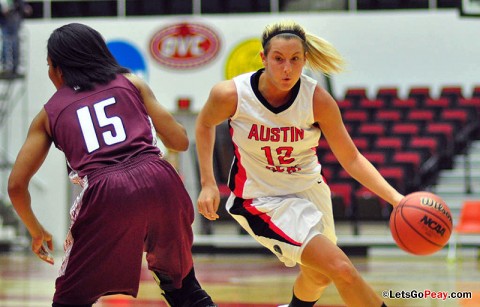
132	200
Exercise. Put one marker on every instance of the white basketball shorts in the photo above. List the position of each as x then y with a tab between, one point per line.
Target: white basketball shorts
285	224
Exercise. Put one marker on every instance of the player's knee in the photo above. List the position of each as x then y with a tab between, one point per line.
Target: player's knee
319	281
344	273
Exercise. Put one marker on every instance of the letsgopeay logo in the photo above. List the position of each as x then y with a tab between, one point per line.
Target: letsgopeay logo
244	58
185	45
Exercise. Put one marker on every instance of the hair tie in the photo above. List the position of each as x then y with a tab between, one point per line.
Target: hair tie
282	32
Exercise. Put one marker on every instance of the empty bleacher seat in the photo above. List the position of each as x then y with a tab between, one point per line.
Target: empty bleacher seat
419	93
411	162
387	94
454	93
345	104
405	105
420	117
362	143
405	130
437	104
372	131
395	175
371	105
388	116
341	199
476	92
355	117
377	158
356	94
429	145
369	207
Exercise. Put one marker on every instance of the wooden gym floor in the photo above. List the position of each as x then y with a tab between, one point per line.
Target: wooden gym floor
261	280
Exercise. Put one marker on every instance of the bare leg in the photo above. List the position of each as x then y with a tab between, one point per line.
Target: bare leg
322	255
310	284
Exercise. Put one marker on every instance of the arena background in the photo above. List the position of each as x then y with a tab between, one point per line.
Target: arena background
401	48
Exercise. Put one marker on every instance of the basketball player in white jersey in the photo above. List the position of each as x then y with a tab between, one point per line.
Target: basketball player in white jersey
276	116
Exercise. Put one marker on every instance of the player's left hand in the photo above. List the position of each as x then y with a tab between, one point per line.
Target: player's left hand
39	248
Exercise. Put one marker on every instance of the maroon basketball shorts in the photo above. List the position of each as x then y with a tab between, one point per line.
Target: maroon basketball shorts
133	207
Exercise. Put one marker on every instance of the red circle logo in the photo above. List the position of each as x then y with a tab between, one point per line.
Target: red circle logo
184	46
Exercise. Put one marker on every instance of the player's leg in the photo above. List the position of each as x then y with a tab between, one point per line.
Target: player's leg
322	255
308	287
170	238
190	294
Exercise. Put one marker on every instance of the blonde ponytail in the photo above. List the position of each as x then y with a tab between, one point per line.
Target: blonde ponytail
321	55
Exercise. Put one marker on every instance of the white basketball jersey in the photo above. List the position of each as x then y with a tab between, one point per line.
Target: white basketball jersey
275	148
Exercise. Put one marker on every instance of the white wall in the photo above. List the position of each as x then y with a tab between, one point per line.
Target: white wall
402	49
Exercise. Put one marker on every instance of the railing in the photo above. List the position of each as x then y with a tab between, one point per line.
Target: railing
121	8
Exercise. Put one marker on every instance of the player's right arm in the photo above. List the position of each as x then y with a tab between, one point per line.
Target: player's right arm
221	104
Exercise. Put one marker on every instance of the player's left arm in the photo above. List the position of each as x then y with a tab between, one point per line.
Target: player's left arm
29	159
328	116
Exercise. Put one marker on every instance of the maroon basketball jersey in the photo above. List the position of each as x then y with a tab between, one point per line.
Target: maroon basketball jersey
101	127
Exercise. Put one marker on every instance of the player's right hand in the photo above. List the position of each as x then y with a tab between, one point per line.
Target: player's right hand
208	201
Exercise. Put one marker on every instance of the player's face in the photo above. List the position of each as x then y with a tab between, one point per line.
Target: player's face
55	74
284	62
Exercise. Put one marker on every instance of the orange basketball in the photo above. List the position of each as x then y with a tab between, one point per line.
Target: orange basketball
421	224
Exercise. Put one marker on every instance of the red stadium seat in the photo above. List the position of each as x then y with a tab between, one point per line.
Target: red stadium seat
405	130
371	106
393	142
356	94
419	93
345	104
420	116
342	194
387	94
437	105
388	116
405	105
411	162
476	92
370	207
395	175
457	116
377	158
355	117
468	224
362	143
454	93
427	144
470	104
372	131
388	145
444	132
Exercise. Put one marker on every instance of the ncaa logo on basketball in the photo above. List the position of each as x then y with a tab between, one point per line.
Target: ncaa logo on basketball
185	45
433	225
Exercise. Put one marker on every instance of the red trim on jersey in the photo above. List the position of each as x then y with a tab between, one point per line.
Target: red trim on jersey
247	204
241	175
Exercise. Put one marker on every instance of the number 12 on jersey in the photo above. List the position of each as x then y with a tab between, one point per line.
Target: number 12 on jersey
284	157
